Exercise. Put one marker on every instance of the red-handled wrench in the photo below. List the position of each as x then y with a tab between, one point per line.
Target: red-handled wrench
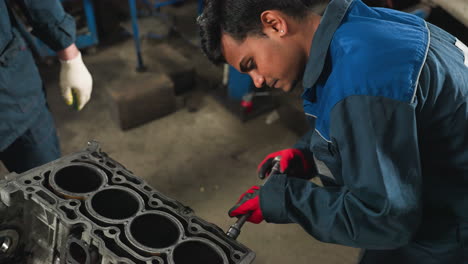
235	229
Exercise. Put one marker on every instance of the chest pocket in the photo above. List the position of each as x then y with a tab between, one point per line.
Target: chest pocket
20	82
328	153
11	50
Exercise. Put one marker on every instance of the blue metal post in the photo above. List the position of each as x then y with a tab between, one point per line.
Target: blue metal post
201	5
91	22
239	84
136	35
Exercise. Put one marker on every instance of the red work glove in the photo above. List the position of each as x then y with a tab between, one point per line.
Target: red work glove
293	162
248	202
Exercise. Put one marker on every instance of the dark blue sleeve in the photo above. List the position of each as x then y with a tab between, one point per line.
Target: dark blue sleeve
304	141
378	204
50	23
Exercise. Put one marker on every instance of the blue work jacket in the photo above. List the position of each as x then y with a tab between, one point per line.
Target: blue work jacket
21	94
387	94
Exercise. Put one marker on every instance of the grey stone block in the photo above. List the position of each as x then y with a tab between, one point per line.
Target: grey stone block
142	97
166	59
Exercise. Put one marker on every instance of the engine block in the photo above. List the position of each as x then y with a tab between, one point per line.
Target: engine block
86	208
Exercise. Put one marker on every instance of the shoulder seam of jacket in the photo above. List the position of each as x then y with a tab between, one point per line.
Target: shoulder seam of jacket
318	132
423	63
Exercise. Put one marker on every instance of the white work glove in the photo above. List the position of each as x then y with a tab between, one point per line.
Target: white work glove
76	82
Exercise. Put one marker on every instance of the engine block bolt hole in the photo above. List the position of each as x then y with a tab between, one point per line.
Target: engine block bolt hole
78	253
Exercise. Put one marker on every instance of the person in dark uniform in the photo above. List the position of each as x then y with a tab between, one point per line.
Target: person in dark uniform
387	96
27	133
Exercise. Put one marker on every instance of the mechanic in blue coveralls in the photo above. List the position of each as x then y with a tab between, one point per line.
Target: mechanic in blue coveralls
27	134
387	94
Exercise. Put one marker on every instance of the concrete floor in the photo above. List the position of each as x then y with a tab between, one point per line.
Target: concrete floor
204	159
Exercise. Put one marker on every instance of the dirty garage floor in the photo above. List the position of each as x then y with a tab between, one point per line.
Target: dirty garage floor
205	159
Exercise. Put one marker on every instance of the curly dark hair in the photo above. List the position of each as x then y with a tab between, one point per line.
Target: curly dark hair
241	18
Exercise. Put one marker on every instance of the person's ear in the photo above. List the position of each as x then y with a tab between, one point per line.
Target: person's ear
274	23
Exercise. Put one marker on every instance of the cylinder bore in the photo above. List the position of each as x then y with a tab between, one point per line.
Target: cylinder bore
154	231
115	204
78	179
192	252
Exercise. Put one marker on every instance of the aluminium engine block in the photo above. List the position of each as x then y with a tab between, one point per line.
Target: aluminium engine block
86	208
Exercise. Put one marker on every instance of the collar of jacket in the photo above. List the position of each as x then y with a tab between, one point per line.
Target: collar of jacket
331	20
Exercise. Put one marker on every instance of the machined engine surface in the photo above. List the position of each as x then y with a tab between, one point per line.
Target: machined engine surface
87	208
